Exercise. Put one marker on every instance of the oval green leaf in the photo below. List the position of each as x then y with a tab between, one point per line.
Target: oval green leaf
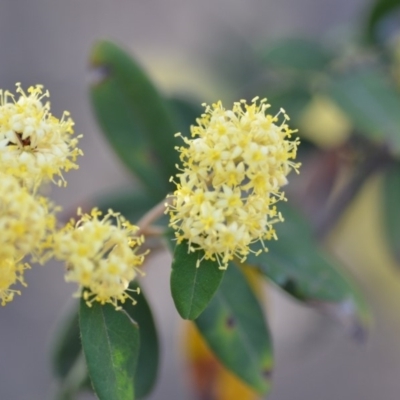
371	102
147	365
295	263
135	118
234	327
193	287
110	341
391	208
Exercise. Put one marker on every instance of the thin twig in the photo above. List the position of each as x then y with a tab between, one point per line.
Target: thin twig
152	215
153	231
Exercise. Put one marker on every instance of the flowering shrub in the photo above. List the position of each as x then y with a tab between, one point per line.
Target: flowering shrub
230	227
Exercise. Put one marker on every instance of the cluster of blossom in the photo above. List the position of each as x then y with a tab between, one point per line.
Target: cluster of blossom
233	169
35	148
34	145
25	221
101	255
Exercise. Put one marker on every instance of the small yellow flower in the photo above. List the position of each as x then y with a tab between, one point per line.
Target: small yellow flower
35	146
25	220
11	272
100	256
233	169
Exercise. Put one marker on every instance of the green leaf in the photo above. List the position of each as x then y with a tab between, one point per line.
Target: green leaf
135	118
296	54
110	341
67	343
193	287
371	102
147	365
131	204
296	264
233	325
391	208
379	11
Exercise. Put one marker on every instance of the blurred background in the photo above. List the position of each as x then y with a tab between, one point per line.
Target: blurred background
203	50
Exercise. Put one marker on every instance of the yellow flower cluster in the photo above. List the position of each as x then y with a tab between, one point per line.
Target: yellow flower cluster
233	169
100	255
34	145
25	220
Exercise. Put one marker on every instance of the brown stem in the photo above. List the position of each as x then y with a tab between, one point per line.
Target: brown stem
152	215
